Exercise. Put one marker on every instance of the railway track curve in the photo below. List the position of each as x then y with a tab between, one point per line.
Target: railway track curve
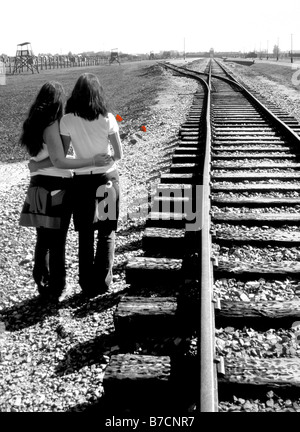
168	374
226	214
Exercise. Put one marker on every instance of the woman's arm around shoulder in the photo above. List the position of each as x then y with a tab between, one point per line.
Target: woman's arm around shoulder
57	154
34	165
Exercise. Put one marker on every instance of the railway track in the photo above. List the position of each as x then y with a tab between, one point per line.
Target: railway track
255	238
223	231
158	369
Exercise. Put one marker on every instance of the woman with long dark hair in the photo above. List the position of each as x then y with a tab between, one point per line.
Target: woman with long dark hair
48	201
91	128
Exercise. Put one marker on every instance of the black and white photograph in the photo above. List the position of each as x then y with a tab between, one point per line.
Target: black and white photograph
149	210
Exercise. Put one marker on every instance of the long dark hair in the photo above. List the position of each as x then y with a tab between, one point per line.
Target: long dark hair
87	99
45	110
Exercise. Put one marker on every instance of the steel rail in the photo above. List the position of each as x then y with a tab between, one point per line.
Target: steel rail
208	375
181	69
208	371
284	128
186	72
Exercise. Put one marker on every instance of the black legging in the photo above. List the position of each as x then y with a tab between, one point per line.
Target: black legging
49	258
95	261
95	269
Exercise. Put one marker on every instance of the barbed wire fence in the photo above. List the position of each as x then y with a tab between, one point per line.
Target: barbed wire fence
59	62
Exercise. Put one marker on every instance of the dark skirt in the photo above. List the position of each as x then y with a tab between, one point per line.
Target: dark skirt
48	202
96	201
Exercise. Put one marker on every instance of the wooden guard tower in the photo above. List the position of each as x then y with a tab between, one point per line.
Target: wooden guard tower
114	56
25	58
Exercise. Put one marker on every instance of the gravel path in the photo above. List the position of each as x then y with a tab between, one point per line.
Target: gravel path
12	174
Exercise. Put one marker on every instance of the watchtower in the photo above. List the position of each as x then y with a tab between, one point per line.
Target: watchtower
25	57
114	56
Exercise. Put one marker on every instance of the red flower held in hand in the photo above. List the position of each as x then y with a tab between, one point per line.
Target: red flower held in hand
119	118
143	128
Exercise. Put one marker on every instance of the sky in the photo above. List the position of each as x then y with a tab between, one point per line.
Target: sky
137	26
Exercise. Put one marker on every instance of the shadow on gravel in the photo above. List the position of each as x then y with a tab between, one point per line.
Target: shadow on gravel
182	405
132	229
168	155
162	166
155	177
106	412
96	407
86	354
100	303
73	302
158	172
172	144
26	314
129	247
163	162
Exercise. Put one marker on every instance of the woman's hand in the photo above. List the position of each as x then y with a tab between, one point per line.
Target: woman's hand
33	165
102	159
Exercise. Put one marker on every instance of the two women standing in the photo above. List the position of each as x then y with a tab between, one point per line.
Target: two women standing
91	128
91	192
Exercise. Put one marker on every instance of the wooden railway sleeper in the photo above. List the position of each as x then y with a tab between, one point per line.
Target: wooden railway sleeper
159	272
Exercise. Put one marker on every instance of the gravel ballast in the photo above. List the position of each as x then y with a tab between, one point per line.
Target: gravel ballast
250	343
